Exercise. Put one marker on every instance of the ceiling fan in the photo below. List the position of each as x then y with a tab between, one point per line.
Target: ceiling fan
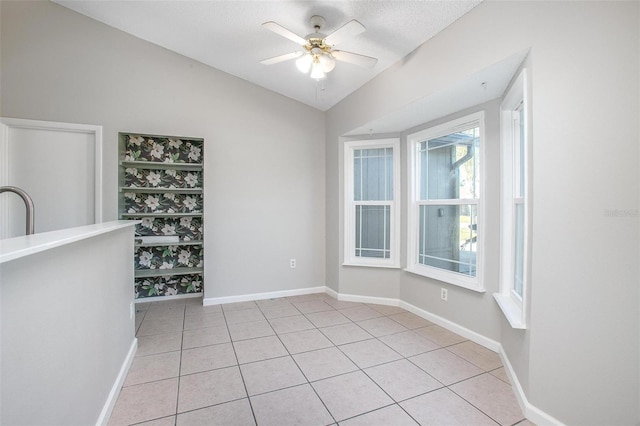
317	54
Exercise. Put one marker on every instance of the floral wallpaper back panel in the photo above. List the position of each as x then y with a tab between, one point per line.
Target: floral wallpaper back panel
186	228
168	257
162	203
162	149
167	285
143	193
137	177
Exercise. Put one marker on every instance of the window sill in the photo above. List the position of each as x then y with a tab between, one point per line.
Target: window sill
448	277
511	311
372	265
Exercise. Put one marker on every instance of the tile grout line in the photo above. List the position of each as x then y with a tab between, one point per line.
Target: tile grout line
380	387
407	359
175	420
388	362
470	403
394	402
354	363
373	411
298	366
244	384
152	381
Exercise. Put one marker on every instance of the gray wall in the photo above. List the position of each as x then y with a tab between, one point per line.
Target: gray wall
473	310
579	359
264	153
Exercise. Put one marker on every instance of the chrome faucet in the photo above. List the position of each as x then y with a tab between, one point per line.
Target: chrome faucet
28	203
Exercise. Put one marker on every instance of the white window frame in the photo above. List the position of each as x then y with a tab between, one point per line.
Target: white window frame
511	303
350	258
413	205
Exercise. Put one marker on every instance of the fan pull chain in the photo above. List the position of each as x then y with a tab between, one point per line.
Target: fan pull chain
319	87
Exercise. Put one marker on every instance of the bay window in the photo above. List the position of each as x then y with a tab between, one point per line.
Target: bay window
513	217
445	202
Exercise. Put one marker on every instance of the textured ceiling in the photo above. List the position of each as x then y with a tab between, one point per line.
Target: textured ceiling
228	35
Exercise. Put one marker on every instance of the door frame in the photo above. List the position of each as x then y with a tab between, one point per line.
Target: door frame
6	124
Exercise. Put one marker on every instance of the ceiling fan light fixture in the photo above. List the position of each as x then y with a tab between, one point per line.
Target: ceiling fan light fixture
317	73
304	63
317	57
327	61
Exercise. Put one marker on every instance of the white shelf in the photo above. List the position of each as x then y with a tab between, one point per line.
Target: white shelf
156	165
135	215
179	243
156	190
148	273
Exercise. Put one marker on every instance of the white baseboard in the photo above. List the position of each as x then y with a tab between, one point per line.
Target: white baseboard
532	413
331	292
107	409
367	299
539	417
261	296
161	298
452	326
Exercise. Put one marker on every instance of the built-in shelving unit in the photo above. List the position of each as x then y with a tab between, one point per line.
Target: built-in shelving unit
161	184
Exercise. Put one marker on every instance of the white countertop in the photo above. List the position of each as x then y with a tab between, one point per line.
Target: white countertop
17	247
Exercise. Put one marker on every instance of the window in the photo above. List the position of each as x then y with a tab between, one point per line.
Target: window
513	244
445	203
372	190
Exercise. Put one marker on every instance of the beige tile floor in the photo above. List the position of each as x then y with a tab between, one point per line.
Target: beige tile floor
307	360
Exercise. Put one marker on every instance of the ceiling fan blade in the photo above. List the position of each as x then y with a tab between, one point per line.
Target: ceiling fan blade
345	32
281	58
354	58
280	30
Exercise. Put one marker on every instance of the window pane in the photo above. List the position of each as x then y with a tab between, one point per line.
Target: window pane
519	151
373	224
373	174
518	261
447	238
449	166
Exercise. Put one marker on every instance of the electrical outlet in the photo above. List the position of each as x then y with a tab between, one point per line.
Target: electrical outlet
292	263
443	294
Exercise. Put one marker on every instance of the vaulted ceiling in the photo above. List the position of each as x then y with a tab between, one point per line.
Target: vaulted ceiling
228	35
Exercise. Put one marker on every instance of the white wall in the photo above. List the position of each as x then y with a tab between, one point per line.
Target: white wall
579	359
27	146
66	330
264	153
